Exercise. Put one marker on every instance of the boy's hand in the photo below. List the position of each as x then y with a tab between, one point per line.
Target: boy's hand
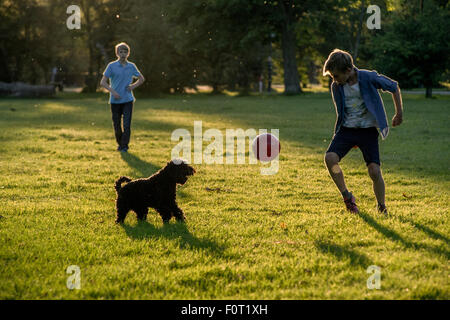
397	119
130	88
116	95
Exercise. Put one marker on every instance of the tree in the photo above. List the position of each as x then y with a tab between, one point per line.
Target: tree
287	21
154	47
230	31
314	28
223	41
21	49
414	46
101	21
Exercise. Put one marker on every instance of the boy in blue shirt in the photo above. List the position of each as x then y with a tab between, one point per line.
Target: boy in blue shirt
121	73
360	112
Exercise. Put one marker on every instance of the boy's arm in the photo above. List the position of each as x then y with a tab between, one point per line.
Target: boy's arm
387	84
104	84
139	82
398	117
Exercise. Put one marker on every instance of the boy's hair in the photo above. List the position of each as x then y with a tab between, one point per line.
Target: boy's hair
338	60
122	45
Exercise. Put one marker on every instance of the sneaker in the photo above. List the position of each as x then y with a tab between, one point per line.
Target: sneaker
382	209
351	205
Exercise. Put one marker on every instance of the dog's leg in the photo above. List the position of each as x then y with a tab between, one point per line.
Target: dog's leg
122	211
178	213
165	214
141	213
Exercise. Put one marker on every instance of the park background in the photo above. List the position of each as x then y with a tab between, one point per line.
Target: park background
223	44
247	236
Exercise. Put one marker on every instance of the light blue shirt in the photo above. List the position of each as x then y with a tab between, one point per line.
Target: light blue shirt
121	77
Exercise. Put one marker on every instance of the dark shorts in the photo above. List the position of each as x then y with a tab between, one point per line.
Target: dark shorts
365	138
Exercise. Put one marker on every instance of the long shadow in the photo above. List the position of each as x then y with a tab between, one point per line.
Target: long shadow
144	168
343	253
394	236
433	234
173	231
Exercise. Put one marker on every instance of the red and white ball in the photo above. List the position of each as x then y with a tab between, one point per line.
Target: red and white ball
266	147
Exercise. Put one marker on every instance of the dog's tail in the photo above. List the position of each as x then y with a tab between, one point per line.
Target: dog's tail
119	182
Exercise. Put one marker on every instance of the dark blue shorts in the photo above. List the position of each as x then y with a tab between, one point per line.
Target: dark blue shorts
365	138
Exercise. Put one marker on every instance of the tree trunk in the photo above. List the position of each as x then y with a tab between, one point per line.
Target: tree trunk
216	80
312	72
5	74
288	45
90	81
428	84
359	29
17	74
428	92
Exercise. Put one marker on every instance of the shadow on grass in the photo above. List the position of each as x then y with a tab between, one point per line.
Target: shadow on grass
144	168
343	253
394	236
430	232
173	231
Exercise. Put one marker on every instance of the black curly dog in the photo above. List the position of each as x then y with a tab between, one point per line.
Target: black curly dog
157	192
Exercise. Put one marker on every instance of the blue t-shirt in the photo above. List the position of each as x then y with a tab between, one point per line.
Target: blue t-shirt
121	77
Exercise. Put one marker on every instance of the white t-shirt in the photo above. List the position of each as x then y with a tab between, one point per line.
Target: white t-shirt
356	114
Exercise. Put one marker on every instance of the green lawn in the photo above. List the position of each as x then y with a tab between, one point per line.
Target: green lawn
248	236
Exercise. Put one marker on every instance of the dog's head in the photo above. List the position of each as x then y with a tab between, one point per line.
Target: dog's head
179	170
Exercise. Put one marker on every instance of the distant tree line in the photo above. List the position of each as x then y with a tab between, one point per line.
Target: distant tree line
225	44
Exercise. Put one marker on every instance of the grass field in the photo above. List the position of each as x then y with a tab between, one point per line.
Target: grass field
248	236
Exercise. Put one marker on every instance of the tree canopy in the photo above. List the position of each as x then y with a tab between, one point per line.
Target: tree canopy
225	44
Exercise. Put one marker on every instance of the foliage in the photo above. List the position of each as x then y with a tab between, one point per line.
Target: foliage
221	43
413	46
225	40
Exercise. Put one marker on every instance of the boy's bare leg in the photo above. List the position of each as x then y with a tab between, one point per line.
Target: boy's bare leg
331	160
378	182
